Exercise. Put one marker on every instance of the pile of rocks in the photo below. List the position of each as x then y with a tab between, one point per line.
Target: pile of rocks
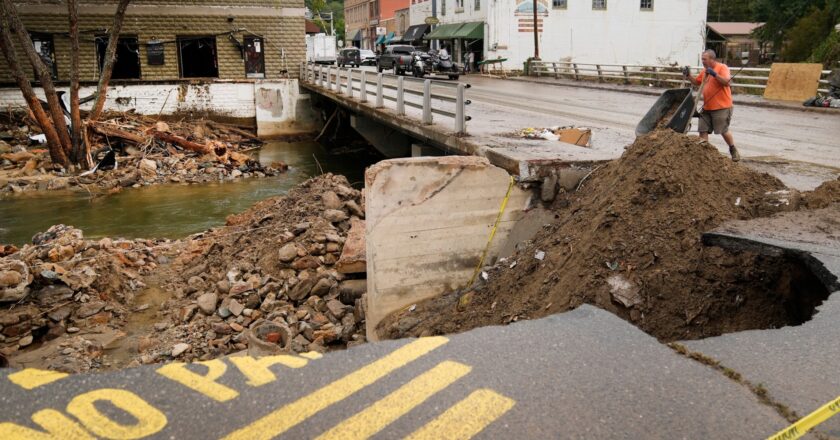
62	283
268	281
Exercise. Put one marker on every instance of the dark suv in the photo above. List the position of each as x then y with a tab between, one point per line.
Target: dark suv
349	57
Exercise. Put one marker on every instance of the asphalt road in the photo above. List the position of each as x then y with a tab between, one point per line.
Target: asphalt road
582	374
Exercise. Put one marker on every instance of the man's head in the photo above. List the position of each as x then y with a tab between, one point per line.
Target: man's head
709	58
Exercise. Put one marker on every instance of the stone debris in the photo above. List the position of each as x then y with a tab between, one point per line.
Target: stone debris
145	152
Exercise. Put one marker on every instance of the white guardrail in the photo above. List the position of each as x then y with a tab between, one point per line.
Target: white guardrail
746	78
430	97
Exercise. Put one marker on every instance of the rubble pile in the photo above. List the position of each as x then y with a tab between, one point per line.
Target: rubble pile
61	284
630	243
132	150
267	282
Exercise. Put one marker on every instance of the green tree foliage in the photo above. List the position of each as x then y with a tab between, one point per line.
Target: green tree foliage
807	34
334	6
828	53
780	15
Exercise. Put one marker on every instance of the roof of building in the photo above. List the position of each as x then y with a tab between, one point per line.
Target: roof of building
312	28
734	28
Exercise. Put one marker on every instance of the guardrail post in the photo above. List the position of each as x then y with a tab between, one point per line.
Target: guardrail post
656	76
363	86
626	75
460	119
400	96
554	65
380	102
338	80
350	83
600	78
536	66
427	102
576	71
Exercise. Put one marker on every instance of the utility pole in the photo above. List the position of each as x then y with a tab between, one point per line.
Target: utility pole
536	34
434	15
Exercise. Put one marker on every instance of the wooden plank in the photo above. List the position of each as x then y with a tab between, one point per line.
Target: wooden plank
793	82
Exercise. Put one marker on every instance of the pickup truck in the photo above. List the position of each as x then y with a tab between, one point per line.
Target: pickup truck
397	57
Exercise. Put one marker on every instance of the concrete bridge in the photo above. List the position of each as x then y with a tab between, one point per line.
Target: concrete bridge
797	146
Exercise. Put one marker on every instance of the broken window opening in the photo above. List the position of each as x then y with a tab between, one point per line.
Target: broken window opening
254	57
197	57
127	58
45	47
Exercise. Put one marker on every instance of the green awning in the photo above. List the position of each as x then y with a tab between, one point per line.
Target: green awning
379	40
443	32
470	31
388	38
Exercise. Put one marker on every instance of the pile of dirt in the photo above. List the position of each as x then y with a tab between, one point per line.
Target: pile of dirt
823	196
62	284
266	281
629	242
132	150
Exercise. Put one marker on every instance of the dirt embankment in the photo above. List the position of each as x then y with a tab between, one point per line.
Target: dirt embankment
265	282
629	242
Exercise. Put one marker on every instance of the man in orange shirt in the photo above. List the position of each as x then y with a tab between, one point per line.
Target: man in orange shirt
717	101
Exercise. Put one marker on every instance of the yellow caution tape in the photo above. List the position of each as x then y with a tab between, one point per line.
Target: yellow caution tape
492	233
808	422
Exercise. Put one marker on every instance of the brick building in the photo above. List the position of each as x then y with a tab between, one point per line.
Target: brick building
172	39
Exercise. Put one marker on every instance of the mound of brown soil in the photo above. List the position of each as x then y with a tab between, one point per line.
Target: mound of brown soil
823	195
629	242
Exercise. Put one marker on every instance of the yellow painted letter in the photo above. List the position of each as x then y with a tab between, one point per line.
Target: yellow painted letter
205	384
149	419
257	370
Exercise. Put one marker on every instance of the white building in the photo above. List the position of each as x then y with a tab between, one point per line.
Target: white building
586	31
418	10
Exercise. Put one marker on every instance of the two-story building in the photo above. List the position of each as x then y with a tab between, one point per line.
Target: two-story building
172	39
586	31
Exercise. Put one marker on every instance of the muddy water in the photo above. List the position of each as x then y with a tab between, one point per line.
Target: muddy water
171	211
137	327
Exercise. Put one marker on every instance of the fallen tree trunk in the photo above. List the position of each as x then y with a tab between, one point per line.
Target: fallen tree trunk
181	142
111	131
235	130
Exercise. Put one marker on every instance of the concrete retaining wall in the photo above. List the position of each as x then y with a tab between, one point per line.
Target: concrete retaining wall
427	222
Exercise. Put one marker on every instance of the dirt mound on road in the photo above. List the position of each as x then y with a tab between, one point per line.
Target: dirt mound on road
629	242
823	196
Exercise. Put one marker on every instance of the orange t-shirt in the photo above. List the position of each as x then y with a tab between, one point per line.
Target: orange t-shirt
716	96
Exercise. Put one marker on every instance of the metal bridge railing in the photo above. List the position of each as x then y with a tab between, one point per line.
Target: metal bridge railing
746	78
430	97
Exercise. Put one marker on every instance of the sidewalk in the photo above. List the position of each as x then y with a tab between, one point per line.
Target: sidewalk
738	99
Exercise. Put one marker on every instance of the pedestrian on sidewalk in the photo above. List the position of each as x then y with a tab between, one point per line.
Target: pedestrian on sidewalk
717	101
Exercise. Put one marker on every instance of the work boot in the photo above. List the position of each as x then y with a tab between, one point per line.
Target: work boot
734	152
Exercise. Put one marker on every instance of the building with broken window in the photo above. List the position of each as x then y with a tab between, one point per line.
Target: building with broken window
173	39
230	60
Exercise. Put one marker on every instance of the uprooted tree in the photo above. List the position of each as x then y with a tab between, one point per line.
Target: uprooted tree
66	144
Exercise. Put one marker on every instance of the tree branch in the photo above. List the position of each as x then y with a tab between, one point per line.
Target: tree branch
110	57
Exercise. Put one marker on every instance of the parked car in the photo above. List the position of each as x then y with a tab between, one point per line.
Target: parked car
349	57
368	57
397	57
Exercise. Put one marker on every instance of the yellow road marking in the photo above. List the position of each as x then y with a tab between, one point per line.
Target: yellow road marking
31	378
205	384
467	418
56	425
256	370
283	419
148	419
384	412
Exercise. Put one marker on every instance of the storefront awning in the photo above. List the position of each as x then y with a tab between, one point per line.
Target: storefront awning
356	36
470	31
415	33
388	38
443	32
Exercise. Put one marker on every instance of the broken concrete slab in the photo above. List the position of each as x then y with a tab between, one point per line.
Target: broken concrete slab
795	364
812	236
353	258
428	221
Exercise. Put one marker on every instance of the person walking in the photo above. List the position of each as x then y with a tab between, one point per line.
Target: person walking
717	101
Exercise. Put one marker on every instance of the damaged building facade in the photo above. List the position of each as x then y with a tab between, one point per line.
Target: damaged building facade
212	56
